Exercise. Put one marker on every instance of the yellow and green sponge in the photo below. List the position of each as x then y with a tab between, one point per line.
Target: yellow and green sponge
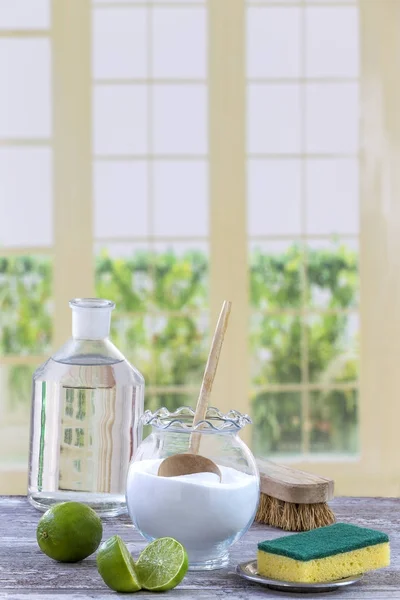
324	554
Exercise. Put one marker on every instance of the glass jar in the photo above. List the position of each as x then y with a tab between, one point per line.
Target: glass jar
205	514
86	406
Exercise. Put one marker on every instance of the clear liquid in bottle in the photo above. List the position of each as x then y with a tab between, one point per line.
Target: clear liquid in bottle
86	405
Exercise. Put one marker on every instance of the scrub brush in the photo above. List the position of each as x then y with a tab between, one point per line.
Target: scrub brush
293	500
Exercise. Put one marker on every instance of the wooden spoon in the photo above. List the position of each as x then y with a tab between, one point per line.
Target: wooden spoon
191	462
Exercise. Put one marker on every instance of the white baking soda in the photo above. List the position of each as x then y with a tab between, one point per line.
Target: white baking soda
198	510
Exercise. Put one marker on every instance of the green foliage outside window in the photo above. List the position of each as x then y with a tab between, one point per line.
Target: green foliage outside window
171	350
329	282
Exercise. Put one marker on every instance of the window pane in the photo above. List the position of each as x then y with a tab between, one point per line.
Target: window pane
180	349
181	276
95	2
266	2
274	197
325	57
25	73
15	399
180	119
274	42
148	1
171	400
332	273
133	336
334	422
276	275
181	1
26	189
277	423
120	119
332	196
333	2
276	349
261	2
333	348
180	198
167	289
158	278
273	118
179	42
120	199
24	14
124	275
332	117
120	43
25	317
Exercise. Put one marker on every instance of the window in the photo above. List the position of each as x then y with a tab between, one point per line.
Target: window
151	217
173	157
303	213
26	228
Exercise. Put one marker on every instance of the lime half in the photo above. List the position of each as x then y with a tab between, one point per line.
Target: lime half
69	532
162	565
115	565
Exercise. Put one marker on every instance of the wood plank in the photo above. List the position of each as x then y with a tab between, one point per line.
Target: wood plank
26	572
178	594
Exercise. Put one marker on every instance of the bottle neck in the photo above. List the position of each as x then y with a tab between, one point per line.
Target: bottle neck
91	318
89	326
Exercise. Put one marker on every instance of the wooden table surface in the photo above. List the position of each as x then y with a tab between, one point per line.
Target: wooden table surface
25	572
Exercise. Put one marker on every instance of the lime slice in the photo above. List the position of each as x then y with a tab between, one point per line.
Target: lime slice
115	565
69	532
162	565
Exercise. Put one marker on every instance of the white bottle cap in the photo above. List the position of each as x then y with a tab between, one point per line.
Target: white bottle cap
91	318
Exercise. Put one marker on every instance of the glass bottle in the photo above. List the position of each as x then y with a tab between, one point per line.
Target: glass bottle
86	407
205	514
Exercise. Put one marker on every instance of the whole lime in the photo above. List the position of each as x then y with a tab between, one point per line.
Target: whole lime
69	532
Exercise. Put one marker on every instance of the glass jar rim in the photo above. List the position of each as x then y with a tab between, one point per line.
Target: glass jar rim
181	420
92	303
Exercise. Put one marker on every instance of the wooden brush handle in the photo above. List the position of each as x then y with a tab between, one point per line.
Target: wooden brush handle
293	485
209	373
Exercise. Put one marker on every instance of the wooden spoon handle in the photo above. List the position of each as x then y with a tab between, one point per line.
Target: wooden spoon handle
209	373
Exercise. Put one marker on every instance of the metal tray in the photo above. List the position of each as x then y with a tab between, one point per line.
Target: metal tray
248	570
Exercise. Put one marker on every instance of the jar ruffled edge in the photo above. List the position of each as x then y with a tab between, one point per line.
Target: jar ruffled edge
182	419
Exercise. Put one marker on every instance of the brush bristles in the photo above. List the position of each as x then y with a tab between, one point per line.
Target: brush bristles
293	517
